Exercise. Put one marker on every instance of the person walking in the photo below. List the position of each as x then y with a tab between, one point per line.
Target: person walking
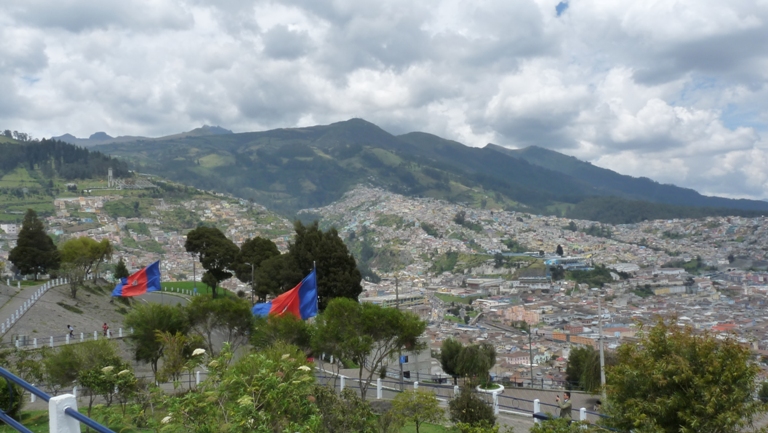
105	328
565	406
71	330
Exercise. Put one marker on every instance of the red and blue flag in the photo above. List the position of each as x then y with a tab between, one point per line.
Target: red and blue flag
300	301
139	283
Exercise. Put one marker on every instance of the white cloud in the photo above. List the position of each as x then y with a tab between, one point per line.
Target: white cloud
675	90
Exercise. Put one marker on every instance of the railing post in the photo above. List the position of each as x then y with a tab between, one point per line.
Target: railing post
67	338
495	403
342	383
74	391
582	414
536	409
34	343
17	343
2	328
120	332
378	389
51	340
415	386
95	335
455	391
109	333
58	421
197	377
32	396
82	337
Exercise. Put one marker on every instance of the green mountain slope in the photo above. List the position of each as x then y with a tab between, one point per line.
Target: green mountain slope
611	183
292	169
32	174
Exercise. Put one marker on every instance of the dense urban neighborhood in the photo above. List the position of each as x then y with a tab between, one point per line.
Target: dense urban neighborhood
479	274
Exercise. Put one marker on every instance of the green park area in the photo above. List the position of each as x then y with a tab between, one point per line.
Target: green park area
202	288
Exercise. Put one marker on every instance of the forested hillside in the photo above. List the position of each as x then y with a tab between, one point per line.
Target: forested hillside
292	169
33	172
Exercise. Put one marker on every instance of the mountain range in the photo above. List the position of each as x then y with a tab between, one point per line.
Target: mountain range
100	138
296	168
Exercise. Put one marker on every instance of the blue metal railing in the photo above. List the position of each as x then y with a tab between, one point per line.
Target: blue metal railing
47	398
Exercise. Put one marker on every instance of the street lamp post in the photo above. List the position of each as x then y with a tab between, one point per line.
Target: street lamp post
194	272
600	342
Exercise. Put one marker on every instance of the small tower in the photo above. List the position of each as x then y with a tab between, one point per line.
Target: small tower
109	178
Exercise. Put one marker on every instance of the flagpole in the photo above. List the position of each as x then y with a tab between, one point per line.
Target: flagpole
317	302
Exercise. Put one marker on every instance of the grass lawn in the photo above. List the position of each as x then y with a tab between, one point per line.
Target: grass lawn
457	299
202	288
39	282
453	318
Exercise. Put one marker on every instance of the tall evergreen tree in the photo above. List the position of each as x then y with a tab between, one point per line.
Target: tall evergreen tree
121	271
252	254
337	273
34	252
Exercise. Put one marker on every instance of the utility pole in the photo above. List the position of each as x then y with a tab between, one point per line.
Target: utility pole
530	353
600	341
253	287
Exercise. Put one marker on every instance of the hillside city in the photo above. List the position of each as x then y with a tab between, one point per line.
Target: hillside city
482	274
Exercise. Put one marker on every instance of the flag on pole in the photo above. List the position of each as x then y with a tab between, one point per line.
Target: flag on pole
139	283
300	301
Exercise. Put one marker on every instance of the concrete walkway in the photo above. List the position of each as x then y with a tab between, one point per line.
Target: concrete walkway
19	303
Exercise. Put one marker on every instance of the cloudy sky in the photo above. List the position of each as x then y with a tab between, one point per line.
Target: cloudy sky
674	90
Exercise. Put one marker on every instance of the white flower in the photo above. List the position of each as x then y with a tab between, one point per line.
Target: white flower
304	368
166	420
107	369
198	352
123	372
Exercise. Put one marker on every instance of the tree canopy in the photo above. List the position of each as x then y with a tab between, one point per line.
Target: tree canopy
253	253
217	254
146	320
449	357
121	271
366	334
680	380
227	317
337	273
583	370
82	255
34	252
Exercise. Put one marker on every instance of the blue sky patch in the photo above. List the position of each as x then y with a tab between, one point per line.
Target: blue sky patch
561	7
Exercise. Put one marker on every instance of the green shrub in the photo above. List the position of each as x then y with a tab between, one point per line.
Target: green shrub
11	402
469	408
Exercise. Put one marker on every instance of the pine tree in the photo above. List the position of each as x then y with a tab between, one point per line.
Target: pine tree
35	252
121	271
337	273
